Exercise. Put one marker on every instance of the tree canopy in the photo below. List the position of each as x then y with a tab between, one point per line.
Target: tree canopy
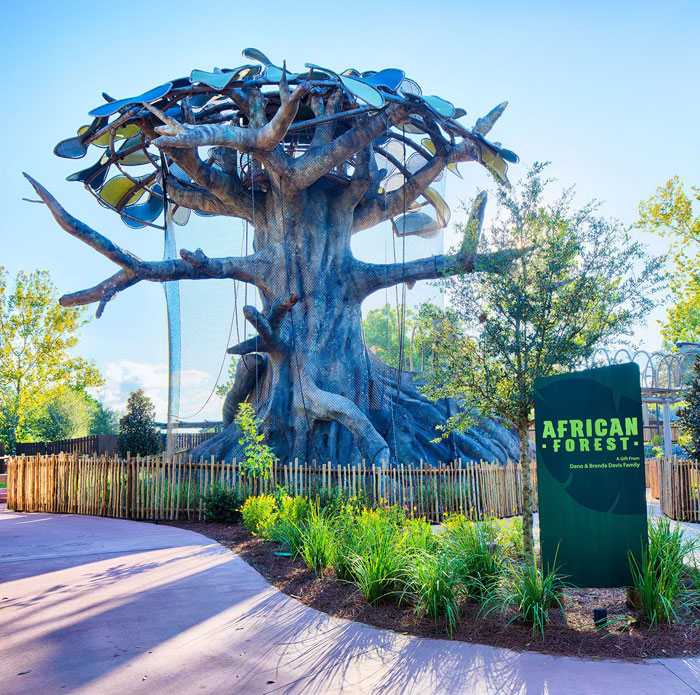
673	212
37	336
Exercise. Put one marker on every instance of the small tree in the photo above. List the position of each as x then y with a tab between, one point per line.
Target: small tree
137	430
582	283
689	417
259	457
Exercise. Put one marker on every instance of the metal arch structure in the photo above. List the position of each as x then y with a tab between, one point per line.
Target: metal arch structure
665	377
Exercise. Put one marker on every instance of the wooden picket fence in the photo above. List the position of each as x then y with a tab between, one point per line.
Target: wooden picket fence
158	489
678	488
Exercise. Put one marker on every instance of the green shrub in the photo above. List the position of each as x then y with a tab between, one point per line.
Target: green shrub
289	523
434	584
137	430
474	545
529	592
510	536
259	515
317	542
222	504
378	565
418	535
661	585
334	500
346	537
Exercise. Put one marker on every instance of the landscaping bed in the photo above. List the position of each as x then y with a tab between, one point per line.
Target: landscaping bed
576	636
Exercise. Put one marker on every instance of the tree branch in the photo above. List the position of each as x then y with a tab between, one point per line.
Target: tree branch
197	198
310	167
199	267
324	132
270	338
258	139
382	208
370	277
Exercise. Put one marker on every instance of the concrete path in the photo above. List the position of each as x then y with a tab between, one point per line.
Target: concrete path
100	606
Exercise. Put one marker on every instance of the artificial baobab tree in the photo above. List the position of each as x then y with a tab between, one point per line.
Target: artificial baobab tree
308	159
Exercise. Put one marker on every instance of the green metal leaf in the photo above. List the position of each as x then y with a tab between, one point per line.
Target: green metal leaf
442	209
125	131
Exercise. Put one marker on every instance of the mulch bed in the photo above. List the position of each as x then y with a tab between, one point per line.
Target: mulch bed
575	637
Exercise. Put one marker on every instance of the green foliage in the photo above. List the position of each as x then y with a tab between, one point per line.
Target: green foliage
418	535
260	514
673	212
259	457
223	388
545	313
377	559
37	336
382	330
222	504
510	536
289	525
137	431
660	582
475	544
335	499
103	420
689	416
347	535
68	414
433	583
317	541
529	593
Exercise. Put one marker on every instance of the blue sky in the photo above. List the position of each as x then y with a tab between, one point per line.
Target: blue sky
608	92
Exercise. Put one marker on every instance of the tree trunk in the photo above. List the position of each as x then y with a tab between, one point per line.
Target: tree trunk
526	489
318	391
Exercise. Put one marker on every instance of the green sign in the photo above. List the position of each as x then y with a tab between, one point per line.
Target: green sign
590	473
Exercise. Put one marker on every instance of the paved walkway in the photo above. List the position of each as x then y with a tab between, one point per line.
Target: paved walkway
99	606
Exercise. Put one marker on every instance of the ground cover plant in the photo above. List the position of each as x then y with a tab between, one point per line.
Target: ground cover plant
466	579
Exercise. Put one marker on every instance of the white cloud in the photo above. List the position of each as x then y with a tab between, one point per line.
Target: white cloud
125	376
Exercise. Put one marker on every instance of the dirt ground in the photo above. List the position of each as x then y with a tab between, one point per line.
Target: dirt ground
575	636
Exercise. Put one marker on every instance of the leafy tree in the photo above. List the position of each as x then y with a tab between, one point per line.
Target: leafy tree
672	213
689	417
137	431
382	331
36	336
68	414
104	420
574	290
